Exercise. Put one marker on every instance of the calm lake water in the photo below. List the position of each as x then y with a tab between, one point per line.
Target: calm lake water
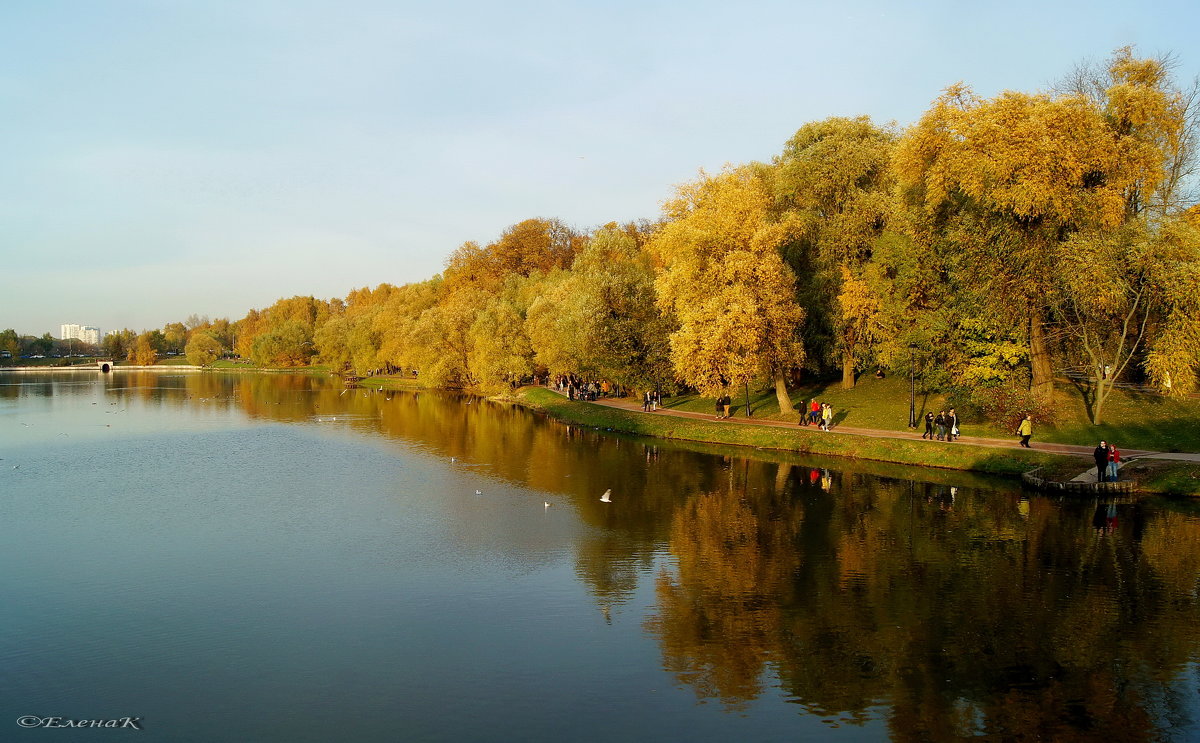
235	557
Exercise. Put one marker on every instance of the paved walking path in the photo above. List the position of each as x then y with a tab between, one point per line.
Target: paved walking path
1083	451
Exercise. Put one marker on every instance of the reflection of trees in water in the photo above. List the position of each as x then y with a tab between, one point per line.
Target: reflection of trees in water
953	610
959	613
719	612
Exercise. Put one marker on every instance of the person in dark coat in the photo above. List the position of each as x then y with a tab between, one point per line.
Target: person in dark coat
928	426
1101	456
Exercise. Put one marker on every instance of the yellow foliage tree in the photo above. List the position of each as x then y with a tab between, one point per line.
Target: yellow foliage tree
724	280
1008	181
832	183
142	351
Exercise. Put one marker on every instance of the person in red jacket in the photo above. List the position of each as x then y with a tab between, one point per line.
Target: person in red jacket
1114	461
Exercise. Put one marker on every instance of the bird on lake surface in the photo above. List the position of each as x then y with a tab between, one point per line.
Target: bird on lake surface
547	503
606	498
478	492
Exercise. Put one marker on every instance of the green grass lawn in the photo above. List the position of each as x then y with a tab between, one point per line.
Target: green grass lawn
802	440
1133	420
246	365
864	403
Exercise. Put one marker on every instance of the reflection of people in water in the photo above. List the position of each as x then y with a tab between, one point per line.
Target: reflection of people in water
1023	508
1104	520
814	476
826	480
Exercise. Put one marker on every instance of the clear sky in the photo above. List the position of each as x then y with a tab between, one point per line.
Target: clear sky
169	157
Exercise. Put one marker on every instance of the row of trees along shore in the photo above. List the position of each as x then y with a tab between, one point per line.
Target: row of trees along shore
994	243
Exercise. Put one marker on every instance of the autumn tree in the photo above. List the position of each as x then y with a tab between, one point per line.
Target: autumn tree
397	320
534	245
202	348
832	186
10	342
285	344
499	351
282	334
442	338
601	318
142	352
1020	186
118	344
175	336
725	281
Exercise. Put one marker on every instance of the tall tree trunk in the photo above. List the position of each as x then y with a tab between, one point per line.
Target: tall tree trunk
781	394
1042	382
847	370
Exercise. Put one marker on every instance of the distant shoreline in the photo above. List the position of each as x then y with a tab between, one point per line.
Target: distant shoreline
96	368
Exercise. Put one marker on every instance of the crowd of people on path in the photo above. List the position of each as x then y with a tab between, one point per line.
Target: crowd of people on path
943	426
591	390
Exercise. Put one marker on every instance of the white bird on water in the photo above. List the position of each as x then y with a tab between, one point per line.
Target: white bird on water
607	497
478	492
547	503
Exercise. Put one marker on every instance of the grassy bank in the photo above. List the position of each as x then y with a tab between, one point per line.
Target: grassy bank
236	365
806	441
1135	420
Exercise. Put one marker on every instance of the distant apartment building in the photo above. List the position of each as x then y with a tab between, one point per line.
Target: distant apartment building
85	333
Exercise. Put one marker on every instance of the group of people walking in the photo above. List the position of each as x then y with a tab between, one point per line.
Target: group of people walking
578	389
818	414
943	426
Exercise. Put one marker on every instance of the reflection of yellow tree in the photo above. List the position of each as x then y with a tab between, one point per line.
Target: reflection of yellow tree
961	615
719	613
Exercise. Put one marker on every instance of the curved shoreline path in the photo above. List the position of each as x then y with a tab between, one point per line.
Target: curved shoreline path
631	405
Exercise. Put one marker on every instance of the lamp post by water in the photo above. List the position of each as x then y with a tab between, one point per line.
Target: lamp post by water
912	388
747	398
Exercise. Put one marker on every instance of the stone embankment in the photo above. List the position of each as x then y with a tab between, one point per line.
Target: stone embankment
1035	481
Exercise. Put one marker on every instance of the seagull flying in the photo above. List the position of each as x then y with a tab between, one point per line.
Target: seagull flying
606	498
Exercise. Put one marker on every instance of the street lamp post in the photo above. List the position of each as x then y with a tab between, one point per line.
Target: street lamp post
747	398
912	389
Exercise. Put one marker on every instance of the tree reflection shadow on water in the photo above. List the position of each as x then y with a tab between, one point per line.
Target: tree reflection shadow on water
951	605
954	613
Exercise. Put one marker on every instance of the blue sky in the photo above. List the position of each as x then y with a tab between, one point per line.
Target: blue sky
164	158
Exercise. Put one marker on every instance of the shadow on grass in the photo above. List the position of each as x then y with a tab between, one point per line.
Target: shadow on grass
1087	394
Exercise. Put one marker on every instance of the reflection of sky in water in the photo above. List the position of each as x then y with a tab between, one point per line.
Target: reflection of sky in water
256	557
